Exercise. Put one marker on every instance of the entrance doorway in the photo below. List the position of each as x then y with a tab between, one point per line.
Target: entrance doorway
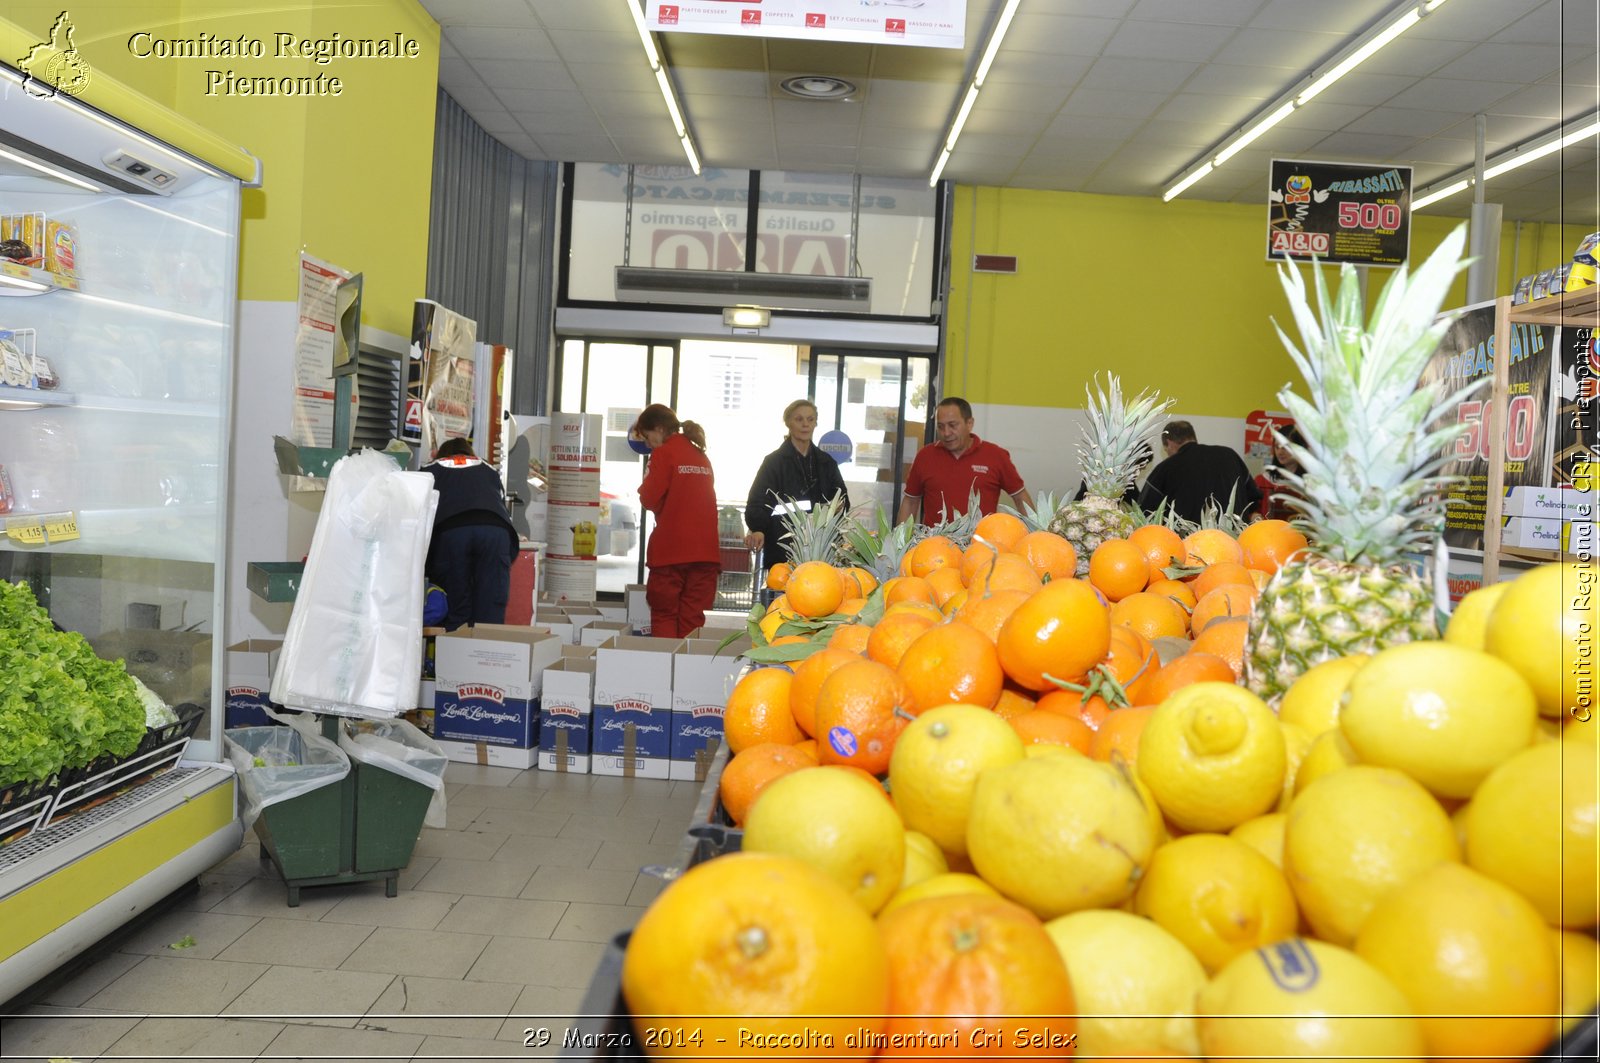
737	391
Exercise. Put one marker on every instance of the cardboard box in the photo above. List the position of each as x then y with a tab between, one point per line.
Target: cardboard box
616	611
633	707
489	679
250	665
558	625
174	664
702	678
488	754
566	713
580	617
601	631
584	653
633	598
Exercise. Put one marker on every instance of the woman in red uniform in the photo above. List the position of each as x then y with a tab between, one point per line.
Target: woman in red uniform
684	554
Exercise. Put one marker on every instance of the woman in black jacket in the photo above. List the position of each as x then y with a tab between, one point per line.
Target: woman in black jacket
797	470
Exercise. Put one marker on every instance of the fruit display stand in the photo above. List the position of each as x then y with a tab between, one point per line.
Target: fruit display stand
1576	309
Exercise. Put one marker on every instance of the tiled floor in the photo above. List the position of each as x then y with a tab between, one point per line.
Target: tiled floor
500	923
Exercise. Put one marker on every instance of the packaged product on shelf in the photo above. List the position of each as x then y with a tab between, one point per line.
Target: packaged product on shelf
1588	251
1524	290
5	490
16	361
61	248
44	373
1558	278
1541	284
21	237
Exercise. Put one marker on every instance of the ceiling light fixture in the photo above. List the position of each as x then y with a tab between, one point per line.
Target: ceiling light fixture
1400	19
49	171
990	50
818	87
1558	139
680	125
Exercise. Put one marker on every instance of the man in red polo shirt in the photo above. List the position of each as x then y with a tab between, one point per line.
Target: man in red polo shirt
945	473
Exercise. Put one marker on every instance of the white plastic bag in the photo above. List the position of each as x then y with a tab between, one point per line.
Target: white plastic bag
354	643
397	746
293	762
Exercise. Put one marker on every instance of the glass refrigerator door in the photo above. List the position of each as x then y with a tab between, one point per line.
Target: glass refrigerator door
117	317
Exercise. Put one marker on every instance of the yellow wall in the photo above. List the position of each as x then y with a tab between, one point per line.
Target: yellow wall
346	177
1175	296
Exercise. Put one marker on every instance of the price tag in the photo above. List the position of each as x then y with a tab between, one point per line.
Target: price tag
26	530
60	527
43	530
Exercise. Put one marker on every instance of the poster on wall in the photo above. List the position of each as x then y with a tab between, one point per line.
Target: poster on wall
315	341
1338	212
573	523
1574	498
1465	356
922	23
440	378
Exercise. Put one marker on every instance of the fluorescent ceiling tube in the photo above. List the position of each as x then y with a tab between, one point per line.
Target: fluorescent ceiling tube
49	171
938	167
680	124
1179	188
1249	136
1360	55
990	50
993	47
644	34
961	117
1447	190
1508	160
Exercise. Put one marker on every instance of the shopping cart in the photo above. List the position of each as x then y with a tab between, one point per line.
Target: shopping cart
740	578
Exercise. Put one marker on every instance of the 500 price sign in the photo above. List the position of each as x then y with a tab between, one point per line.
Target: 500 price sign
1338	212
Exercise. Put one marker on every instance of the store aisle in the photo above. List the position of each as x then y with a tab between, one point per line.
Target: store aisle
501	920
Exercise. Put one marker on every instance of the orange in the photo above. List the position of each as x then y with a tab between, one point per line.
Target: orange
778	576
976	556
946	583
952	663
1177	590
790	640
892	635
852	637
1210	545
747	772
970	967
1062	630
988	613
851	606
1118	569
867	581
1267	544
810	970
1191	667
954	603
814	589
1225	637
848	584
758	710
1007	572
1013	702
1132	659
1161	546
1091	710
1152	615
1043	727
907	589
934	552
1220	574
1119	734
1050	555
808	748
1230	599
861	710
809	676
1001	529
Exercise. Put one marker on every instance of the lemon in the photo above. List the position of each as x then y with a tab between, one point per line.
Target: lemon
1473	958
1543	626
1264	834
1218	896
938	886
1213	755
936	763
1312	701
1134	985
1296	744
1299	999
923	859
836	821
1469	622
1355	835
1532	825
1458	823
1058	834
1580	976
1328	752
1442	714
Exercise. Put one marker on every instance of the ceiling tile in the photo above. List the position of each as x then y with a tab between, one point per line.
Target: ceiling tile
895	161
479	12
1079	125
1500	131
812	57
1373	89
1082	150
1580	74
696	80
704	108
1051	175
1536	101
1416	56
1454	94
501	42
577	46
1212	12
1001	146
496	122
1032	31
1087	101
1103	8
1285	49
474	97
1370	147
929	118
583	15
1224	79
1472	21
590	148
916	64
1443	151
1033	68
1192	135
513	74
1510	62
1403	121
898	138
628	104
1219	110
1010	96
1166	41
565	124
1138	75
1326	115
620	77
993	120
533	103
821	114
1345	18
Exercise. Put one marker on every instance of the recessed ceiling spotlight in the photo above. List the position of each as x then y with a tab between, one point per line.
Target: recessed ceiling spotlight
818	87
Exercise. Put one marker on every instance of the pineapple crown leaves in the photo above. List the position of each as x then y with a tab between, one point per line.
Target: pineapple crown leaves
814	534
879	546
1369	462
957	527
1038	515
1116	439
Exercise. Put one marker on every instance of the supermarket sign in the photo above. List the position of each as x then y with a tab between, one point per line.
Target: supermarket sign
1338	212
922	23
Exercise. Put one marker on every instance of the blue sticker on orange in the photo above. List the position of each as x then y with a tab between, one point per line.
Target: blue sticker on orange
843	741
1291	965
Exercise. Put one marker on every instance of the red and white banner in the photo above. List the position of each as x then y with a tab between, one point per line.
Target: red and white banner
923	23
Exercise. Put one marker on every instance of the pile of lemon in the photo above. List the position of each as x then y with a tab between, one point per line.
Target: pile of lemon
1399	862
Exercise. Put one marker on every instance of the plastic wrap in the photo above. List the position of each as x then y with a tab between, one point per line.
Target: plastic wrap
354	643
292	762
397	746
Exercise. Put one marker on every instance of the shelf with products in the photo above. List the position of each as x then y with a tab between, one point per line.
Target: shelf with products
163	533
18	279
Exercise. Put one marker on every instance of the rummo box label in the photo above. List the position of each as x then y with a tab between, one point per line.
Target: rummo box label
483	712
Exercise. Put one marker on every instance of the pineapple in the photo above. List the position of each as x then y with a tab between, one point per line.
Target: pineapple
879	548
1373	450
1039	515
814	534
958	527
1113	448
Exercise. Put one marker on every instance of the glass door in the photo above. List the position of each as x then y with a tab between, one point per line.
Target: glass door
617	379
879	403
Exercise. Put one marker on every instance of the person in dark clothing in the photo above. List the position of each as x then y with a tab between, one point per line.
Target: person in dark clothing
1195	474
797	470
473	541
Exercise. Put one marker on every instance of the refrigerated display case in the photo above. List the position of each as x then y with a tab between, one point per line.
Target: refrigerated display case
118	292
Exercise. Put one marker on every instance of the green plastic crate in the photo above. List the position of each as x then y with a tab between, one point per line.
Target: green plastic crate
389	813
302	835
274	581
